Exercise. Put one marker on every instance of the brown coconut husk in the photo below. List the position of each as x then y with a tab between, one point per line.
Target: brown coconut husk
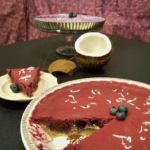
62	65
93	63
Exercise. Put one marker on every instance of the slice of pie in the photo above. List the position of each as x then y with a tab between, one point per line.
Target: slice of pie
26	79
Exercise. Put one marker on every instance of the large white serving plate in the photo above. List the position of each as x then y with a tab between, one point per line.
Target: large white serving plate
40	137
47	80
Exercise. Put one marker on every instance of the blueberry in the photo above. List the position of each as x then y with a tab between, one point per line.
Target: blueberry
74	15
71	15
113	110
120	115
123	108
14	88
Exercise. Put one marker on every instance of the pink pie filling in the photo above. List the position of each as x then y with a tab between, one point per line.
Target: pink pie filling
65	18
85	102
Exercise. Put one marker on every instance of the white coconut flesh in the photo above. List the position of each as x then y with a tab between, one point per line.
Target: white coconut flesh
93	44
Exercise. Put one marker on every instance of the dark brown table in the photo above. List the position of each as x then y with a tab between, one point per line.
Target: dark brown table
131	60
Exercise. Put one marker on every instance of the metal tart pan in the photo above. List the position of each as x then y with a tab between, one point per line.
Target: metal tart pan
68	27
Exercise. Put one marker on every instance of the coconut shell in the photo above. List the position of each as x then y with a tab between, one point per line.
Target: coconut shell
62	65
92	63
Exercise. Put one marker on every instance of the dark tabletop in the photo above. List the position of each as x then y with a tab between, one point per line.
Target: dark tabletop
131	60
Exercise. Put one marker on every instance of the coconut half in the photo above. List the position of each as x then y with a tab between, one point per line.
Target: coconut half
93	50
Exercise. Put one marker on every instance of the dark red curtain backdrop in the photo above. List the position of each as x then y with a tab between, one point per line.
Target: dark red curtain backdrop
126	18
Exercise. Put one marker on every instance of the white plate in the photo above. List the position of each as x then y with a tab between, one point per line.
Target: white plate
47	80
32	135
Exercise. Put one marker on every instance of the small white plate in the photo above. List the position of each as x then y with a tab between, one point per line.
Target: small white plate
47	80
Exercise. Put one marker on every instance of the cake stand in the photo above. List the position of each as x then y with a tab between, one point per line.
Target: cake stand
67	28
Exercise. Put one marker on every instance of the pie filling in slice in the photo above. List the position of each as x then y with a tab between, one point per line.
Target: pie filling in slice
74	130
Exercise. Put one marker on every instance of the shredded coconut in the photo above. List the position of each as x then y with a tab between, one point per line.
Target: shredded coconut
74	91
131	104
121	98
142	138
114	90
109	101
123	143
98	93
129	139
148	112
146	130
25	77
93	92
73	99
141	130
85	107
130	101
121	94
91	97
119	101
146	122
119	136
147	103
127	147
22	70
30	69
66	100
137	107
93	103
